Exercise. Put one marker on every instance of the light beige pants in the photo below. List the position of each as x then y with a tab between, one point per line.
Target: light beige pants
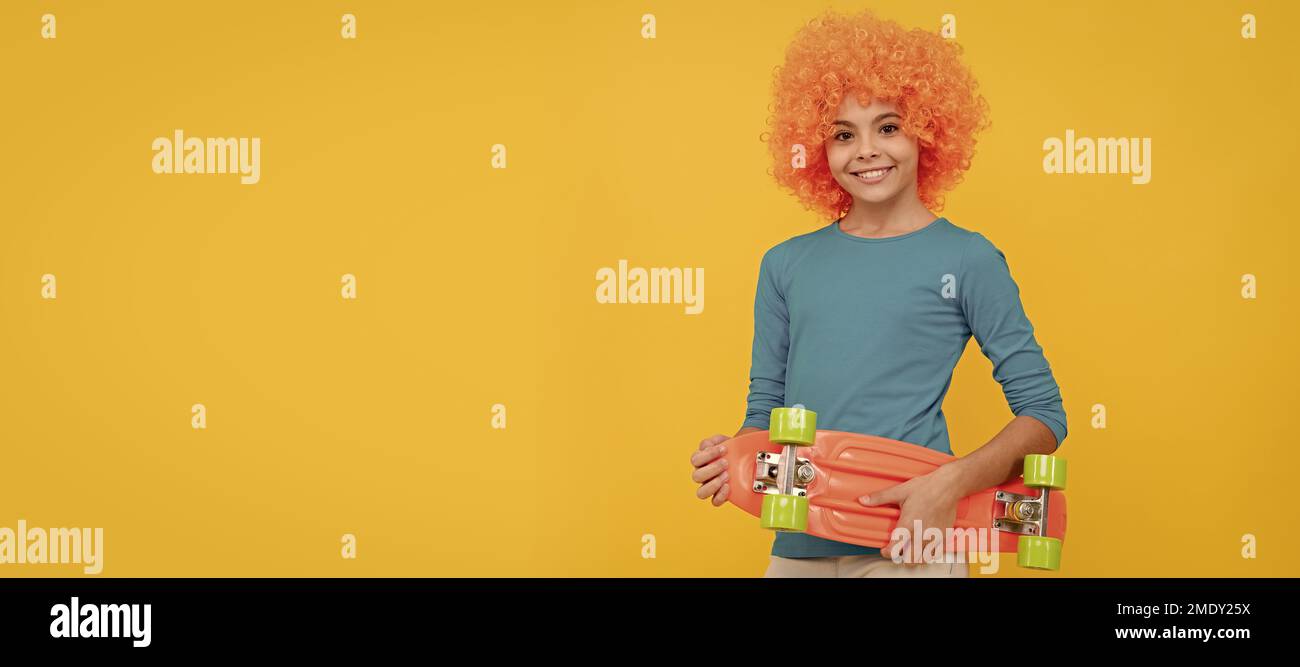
860	566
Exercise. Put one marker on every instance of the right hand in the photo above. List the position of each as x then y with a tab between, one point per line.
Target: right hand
711	470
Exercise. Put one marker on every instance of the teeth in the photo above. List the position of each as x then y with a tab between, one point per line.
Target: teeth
873	174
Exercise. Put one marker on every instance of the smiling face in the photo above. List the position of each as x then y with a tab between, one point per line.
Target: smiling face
867	139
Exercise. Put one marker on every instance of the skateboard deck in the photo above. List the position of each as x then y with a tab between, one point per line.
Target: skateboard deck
848	466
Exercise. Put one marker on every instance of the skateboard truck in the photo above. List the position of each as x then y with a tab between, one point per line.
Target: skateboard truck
768	468
783	478
1025	515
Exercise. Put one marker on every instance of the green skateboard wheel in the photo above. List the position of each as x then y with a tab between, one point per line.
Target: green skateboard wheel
1044	470
1038	553
785	513
793	426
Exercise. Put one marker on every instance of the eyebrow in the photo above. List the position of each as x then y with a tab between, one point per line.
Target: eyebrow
877	120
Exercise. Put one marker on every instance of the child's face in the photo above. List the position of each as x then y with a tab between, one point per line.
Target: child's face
869	138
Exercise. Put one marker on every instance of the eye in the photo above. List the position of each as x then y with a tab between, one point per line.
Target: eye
882	127
842	133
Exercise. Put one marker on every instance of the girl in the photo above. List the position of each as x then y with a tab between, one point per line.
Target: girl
864	319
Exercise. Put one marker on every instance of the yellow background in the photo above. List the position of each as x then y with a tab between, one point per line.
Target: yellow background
476	285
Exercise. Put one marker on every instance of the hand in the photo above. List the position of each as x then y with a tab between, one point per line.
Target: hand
929	498
711	471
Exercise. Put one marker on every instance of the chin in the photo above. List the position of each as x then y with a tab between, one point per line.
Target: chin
876	197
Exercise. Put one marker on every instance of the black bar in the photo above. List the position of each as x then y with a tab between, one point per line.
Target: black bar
327	615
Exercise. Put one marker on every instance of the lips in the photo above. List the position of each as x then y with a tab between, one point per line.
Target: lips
861	175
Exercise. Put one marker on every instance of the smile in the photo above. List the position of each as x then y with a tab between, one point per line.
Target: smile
875	176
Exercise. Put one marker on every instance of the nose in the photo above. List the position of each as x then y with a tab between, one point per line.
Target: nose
866	150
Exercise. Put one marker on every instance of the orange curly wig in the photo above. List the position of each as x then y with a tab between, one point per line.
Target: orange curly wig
918	71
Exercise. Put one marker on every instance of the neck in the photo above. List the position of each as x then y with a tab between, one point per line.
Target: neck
890	218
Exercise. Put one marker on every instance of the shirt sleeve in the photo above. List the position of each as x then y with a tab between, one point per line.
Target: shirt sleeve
771	343
990	301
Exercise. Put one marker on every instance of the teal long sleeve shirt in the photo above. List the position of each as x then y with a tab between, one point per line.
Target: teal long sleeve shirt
866	333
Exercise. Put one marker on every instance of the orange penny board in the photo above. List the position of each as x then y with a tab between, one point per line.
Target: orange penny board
850	465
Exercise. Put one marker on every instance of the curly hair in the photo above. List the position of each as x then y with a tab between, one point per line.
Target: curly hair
917	70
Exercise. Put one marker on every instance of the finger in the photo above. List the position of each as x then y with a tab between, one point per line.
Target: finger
888	496
705	455
708	472
709	488
711	441
721	496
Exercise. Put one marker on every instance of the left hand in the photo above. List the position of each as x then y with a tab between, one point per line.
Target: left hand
930	498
